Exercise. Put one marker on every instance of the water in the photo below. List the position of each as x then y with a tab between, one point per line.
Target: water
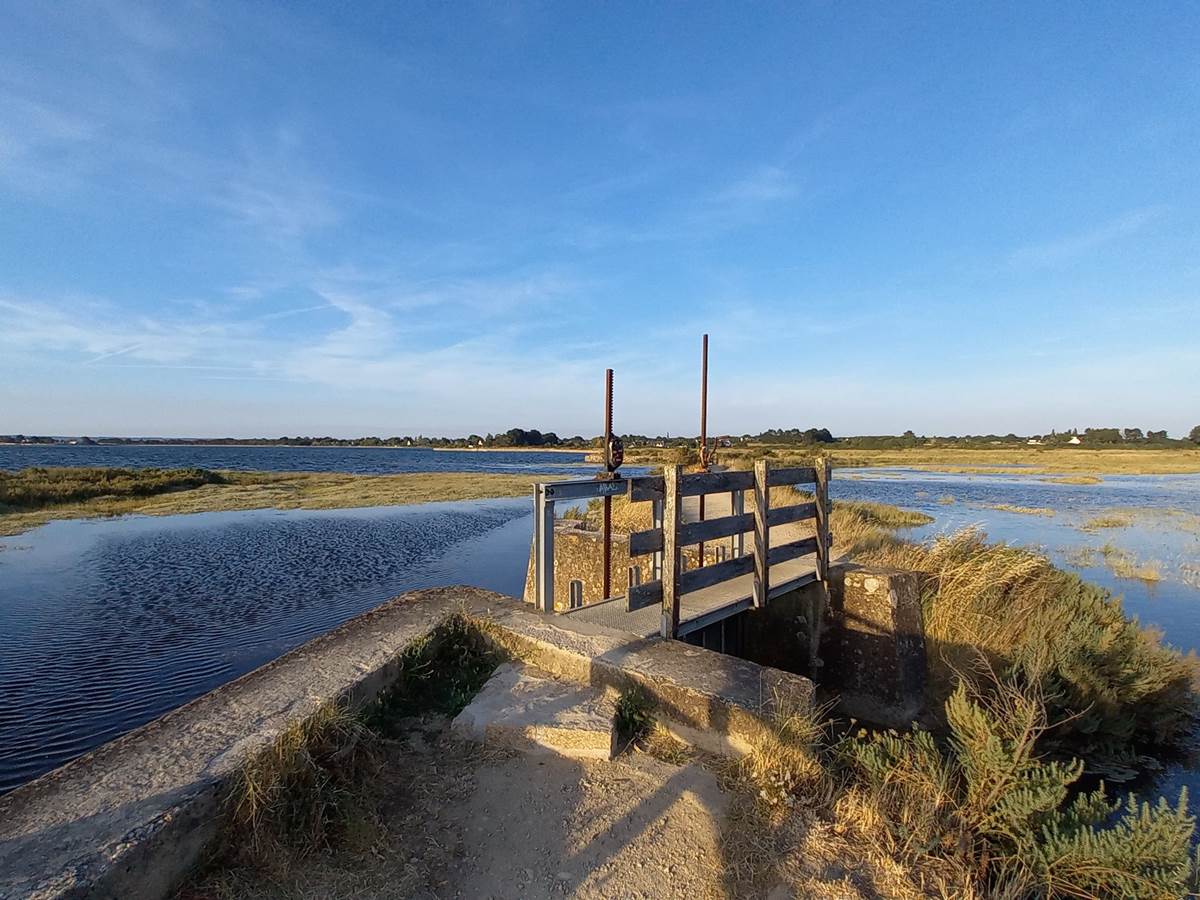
106	624
356	460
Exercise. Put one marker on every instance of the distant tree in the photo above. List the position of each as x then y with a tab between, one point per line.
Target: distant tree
1102	435
1133	434
1194	435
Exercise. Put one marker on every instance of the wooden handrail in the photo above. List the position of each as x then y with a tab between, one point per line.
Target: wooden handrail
673	486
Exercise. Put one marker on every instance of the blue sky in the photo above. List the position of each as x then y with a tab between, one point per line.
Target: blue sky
353	218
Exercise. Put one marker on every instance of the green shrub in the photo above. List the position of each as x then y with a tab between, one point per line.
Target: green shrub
634	716
992	804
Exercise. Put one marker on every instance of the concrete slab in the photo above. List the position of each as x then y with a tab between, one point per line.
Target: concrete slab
519	709
132	817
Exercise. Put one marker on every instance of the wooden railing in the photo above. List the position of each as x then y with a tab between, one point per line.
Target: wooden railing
670	534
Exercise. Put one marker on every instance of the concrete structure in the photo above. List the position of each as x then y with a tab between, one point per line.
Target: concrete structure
874	644
524	710
129	819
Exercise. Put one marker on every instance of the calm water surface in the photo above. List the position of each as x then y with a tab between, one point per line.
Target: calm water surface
106	624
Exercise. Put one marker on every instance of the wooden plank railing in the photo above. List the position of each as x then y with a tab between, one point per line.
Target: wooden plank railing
667	540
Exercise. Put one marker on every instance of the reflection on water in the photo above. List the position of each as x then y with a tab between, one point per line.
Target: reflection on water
107	624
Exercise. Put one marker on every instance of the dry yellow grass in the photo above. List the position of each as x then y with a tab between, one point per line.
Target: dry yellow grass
1022	510
1054	462
1074	479
289	490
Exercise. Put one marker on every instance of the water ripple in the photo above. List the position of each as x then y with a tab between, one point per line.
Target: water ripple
105	625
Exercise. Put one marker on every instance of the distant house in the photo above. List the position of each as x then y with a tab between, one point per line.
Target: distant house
1034	441
1074	439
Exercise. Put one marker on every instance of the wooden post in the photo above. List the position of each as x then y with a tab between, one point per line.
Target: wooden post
817	613
543	524
672	566
821	489
762	534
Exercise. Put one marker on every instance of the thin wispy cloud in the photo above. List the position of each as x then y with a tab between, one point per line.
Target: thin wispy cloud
1073	246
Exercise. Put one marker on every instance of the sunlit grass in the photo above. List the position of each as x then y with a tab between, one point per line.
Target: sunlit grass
1022	510
1107	520
260	490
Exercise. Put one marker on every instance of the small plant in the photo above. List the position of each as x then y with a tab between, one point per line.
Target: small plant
439	673
634	716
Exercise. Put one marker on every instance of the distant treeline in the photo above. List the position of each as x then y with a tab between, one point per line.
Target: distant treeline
522	437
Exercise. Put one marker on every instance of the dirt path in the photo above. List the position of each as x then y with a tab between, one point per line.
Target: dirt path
456	820
452	819
545	828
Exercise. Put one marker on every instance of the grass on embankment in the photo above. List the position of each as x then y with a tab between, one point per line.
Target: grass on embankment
33	497
1113	688
323	784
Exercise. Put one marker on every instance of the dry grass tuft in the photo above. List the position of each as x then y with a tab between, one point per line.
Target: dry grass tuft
1022	510
1108	520
300	794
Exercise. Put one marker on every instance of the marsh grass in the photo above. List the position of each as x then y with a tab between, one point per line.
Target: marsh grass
1050	462
1108	520
947	500
1022	510
1123	565
1074	479
1115	689
311	790
226	490
37	488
